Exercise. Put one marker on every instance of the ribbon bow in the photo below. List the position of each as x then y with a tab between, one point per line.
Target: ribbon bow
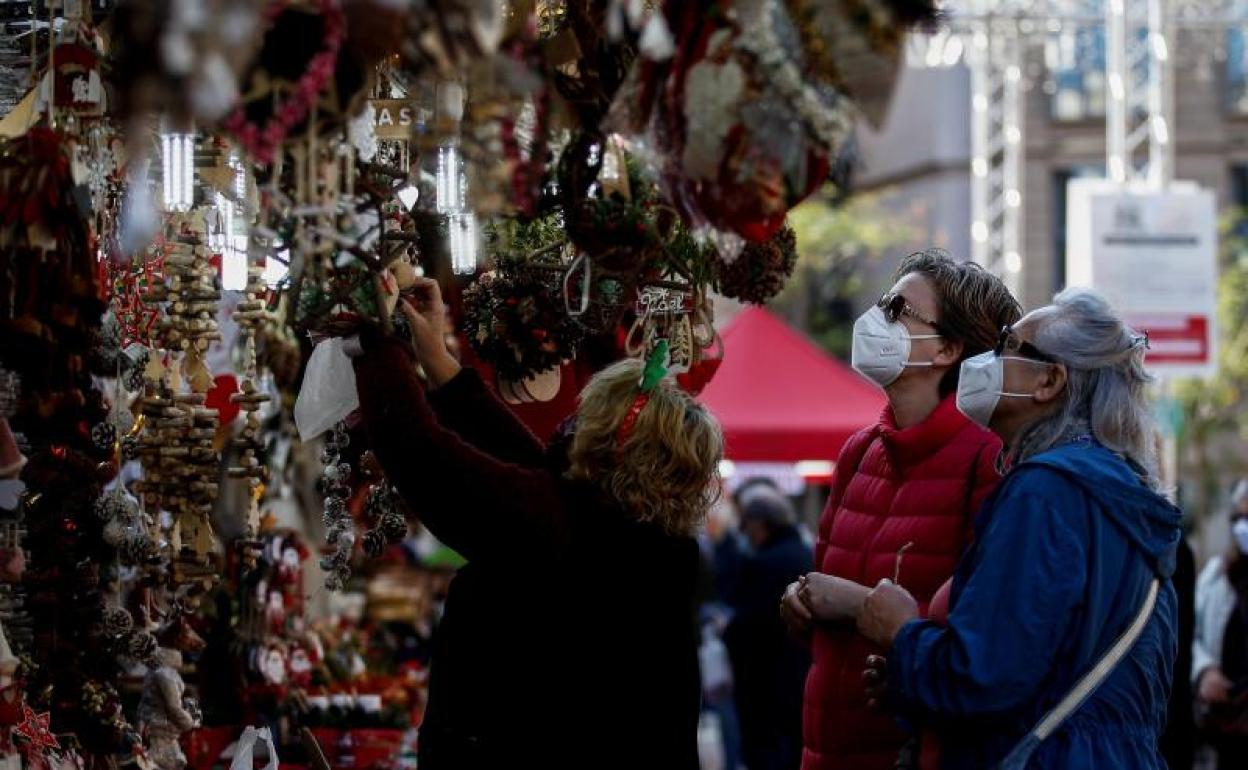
651	375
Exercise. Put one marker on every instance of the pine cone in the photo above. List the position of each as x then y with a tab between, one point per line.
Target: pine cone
141	645
760	271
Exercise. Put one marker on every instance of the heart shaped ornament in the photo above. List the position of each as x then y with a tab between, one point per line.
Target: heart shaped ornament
292	110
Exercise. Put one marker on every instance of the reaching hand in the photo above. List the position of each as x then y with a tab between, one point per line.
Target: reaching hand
422	306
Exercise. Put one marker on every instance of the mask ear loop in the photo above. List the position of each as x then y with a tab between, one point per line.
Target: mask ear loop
1005	394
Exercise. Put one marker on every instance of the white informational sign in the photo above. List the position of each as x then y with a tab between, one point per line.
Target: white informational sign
1153	254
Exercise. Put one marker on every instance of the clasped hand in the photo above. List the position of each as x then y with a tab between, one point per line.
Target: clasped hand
818	598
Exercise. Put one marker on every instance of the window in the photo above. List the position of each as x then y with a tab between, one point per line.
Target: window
1075	58
1236	74
1239	186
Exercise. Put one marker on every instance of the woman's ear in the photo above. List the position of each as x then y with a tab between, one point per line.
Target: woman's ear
949	353
1052	383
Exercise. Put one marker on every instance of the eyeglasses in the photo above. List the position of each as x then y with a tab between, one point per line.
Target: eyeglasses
1009	343
895	306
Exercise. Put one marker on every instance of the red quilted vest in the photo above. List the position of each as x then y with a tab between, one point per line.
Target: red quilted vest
921	485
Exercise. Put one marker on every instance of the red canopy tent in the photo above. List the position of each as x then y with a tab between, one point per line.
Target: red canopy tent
781	399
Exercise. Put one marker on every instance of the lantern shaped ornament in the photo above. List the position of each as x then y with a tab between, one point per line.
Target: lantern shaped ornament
178	170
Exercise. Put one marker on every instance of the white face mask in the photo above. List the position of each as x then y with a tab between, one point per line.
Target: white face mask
882	349
1240	531
980	384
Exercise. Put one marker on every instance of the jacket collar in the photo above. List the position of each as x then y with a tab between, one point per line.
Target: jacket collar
912	445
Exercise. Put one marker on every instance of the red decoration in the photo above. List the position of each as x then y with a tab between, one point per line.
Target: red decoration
699	375
11	704
34	728
77	68
262	144
136	317
629	423
225	385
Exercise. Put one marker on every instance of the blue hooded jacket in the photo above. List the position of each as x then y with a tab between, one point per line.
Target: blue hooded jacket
1065	551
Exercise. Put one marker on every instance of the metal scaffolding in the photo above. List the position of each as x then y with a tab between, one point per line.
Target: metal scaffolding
995	55
1139	113
1139	66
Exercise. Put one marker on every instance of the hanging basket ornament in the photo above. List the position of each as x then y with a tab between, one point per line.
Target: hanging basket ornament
515	320
610	211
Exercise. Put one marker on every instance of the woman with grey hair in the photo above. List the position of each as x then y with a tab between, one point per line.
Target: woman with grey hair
1060	641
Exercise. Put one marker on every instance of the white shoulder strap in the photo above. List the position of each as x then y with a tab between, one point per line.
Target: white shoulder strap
1086	685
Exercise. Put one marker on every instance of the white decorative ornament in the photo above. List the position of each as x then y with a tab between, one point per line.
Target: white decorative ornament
178	170
177	53
362	133
657	43
214	90
712	93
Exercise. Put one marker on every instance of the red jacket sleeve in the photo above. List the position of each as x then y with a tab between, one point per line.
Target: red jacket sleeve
470	499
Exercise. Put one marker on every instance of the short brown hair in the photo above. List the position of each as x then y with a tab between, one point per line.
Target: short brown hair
666	469
974	304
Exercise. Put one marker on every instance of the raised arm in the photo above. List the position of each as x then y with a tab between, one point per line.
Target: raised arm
471	500
467	406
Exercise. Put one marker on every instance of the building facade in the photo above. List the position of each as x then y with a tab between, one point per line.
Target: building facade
919	160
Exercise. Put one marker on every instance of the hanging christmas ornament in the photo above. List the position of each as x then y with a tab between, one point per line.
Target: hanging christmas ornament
177	448
740	134
515	321
288	82
389	525
249	313
34	728
761	270
339	526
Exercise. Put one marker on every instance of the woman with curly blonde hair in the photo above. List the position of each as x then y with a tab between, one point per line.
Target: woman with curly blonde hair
569	639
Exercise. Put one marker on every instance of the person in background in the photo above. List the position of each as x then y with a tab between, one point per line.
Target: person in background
1220	644
570	637
769	665
722	556
910	484
1072	553
1178	742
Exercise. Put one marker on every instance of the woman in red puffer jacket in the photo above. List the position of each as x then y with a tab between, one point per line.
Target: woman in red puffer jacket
905	494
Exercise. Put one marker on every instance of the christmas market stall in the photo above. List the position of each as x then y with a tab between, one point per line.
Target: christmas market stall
201	563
